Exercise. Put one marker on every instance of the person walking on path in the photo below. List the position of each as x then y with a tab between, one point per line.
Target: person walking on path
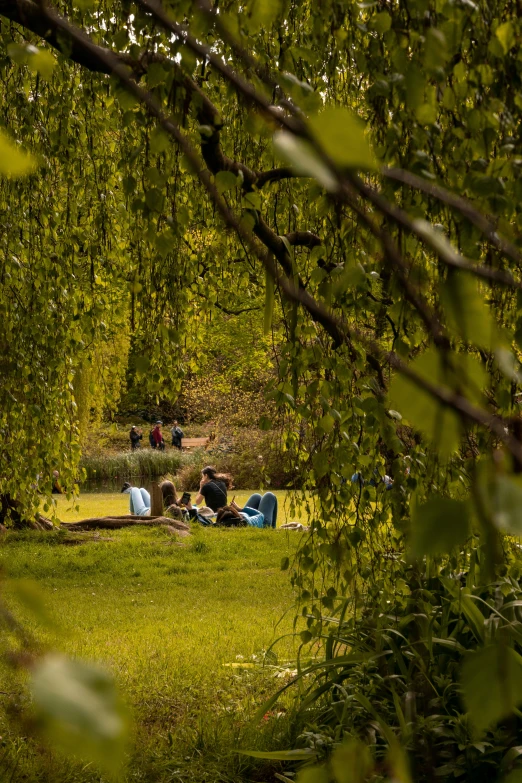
157	436
177	435
135	436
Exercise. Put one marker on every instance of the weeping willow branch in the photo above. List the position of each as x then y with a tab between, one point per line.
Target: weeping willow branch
292	290
487	227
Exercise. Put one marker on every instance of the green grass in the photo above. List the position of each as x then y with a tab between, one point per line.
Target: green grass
165	617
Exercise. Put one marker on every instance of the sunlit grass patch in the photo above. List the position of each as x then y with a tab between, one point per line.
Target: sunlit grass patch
164	616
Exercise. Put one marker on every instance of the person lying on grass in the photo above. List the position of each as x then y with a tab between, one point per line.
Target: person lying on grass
139	501
140	504
259	510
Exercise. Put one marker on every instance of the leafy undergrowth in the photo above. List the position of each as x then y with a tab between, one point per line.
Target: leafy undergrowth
165	617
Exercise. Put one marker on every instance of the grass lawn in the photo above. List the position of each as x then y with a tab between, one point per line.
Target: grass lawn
165	617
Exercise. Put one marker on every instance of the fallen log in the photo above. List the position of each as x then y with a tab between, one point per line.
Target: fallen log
117	522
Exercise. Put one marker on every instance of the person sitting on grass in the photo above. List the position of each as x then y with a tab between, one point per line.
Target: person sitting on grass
213	488
57	487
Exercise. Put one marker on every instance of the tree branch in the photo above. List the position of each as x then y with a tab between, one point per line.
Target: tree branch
32	17
302	239
274	175
486	226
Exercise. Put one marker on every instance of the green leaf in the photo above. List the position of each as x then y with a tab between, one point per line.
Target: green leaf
342	136
298	754
352	762
515	776
154	199
467	314
426	112
79	709
439	526
491	681
301	156
156	74
43	62
159	141
14	162
326	423
439	423
473	615
263	13
506	35
142	363
398	763
30	595
381	22
313	775
435	51
507	504
225	180
285	562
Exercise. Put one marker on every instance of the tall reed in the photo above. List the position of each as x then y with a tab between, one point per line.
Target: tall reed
143	463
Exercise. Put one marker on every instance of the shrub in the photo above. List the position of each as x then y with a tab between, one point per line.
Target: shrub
252	457
399	673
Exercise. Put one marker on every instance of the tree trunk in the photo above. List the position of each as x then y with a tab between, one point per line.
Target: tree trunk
11	517
156	500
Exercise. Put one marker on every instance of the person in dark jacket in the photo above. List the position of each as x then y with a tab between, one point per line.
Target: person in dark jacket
135	436
177	435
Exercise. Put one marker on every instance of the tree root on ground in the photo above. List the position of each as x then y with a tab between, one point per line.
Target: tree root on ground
117	522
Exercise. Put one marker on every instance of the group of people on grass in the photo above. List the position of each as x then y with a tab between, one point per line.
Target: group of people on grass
211	504
156	439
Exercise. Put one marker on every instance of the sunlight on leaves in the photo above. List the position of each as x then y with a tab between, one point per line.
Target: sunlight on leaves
14	162
506	35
